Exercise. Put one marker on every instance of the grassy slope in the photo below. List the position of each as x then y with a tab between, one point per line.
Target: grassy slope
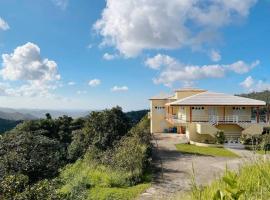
210	151
85	180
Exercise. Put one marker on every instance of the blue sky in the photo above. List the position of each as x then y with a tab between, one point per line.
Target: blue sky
67	54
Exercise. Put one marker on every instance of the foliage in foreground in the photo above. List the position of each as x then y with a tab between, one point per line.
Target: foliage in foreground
252	182
106	154
115	173
208	151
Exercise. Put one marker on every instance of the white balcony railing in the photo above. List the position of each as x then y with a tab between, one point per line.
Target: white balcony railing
215	119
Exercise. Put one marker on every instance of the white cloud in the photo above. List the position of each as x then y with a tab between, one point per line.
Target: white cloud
241	67
160	61
71	83
37	76
174	71
215	56
3	25
253	85
108	56
94	82
25	63
119	89
61	3
132	26
248	82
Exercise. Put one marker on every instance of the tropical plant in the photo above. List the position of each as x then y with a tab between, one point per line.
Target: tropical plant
220	137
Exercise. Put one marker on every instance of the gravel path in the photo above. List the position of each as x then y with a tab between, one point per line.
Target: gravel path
177	168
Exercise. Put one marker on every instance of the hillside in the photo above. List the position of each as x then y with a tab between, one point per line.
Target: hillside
6	125
263	96
136	116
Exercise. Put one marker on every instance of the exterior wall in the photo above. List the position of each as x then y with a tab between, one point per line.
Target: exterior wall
194	136
158	116
230	128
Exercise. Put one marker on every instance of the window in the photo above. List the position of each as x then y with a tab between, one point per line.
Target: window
198	108
239	108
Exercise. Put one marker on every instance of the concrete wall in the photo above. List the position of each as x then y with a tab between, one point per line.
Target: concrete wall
255	129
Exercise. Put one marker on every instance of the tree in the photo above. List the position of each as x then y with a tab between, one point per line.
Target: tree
103	129
31	154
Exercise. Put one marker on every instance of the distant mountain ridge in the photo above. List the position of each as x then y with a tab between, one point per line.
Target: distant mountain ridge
16	116
30	114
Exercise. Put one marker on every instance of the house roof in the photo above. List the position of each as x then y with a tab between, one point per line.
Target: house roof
190	90
162	96
213	98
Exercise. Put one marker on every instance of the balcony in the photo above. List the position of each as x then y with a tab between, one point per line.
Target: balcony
214	119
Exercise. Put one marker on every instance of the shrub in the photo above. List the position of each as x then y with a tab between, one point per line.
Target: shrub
31	154
12	185
220	137
45	189
265	142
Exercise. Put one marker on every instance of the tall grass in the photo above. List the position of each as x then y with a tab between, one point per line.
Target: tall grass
88	180
252	182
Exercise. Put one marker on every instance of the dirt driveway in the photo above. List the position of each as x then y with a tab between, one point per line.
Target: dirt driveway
177	168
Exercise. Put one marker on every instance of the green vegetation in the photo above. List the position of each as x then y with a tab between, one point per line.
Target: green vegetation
251	182
263	96
220	137
99	157
208	151
110	172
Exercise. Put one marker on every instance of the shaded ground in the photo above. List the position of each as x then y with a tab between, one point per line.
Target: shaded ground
177	168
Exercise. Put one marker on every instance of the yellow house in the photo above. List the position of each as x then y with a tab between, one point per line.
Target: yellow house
200	114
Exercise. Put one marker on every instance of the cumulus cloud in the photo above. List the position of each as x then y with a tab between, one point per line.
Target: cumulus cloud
25	63
37	76
3	25
94	82
241	67
215	56
132	26
108	56
61	3
119	89
160	61
171	70
253	85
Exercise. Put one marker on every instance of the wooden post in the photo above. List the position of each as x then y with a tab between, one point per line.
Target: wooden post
190	114
258	116
224	113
